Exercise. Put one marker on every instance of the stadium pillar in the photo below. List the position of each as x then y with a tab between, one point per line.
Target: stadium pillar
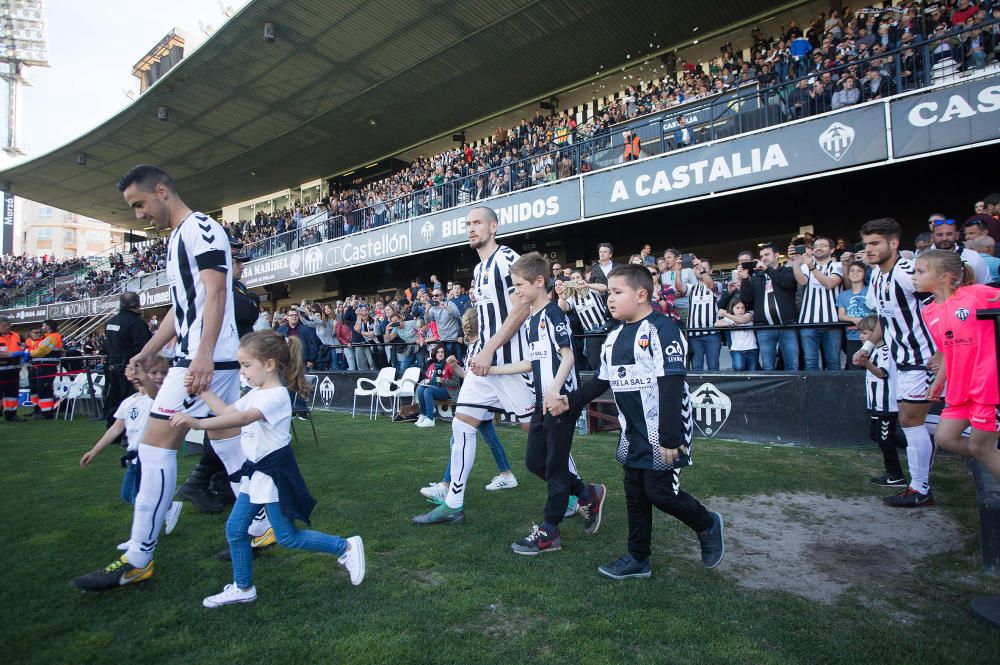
987	608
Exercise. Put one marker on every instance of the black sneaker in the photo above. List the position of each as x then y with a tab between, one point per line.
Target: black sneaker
625	567
591	511
204	500
118	573
713	545
538	541
909	498
888	481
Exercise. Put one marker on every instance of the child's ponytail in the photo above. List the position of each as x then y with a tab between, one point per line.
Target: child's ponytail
267	345
295	369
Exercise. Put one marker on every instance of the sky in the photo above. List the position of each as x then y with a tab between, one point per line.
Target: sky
92	47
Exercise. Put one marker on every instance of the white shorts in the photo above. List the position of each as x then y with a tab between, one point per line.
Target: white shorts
912	384
173	397
506	393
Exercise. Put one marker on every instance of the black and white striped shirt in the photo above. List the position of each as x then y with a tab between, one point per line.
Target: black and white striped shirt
703	308
633	358
493	287
548	332
591	309
819	303
199	243
894	297
880	394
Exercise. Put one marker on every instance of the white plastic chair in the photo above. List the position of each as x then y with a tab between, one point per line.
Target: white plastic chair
368	388
407	386
389	391
60	388
77	389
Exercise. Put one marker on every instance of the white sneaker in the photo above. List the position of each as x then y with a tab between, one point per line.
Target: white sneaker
173	514
123	547
502	483
435	492
231	594
427	422
353	560
421	418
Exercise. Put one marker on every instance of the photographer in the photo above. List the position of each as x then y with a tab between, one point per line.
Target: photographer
362	337
448	319
399	330
822	278
587	301
770	293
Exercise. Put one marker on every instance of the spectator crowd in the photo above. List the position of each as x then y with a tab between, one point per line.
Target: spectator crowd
787	305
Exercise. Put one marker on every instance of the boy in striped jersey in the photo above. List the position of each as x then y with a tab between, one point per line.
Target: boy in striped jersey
822	278
901	324
643	365
501	342
882	409
550	436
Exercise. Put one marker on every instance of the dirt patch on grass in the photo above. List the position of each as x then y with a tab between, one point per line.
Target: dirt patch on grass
820	547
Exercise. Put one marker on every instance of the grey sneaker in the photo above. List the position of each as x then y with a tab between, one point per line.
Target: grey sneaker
591	512
625	567
713	546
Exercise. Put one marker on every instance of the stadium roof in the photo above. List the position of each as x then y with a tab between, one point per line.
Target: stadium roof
247	117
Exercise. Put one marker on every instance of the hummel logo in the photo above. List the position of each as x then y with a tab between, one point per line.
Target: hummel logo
205	227
208	239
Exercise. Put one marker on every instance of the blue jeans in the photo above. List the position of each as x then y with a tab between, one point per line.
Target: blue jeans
284	530
825	340
705	349
489	433
744	361
426	396
130	484
769	340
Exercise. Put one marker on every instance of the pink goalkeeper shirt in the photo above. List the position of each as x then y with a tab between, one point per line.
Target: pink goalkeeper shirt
968	344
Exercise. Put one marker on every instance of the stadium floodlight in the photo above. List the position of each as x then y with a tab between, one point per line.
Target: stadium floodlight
23	43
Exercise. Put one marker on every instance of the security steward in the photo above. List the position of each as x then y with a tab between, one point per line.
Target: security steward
125	334
30	344
208	486
45	363
10	370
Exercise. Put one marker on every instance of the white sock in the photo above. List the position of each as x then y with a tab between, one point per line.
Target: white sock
260	524
463	454
230	451
156	489
919	451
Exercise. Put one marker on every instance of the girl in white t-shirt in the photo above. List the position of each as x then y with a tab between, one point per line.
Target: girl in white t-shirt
270	476
742	343
131	418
